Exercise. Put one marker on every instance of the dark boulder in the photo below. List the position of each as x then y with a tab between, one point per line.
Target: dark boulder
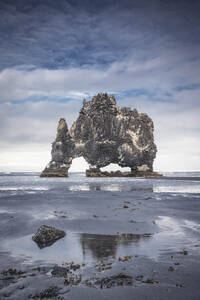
60	271
47	235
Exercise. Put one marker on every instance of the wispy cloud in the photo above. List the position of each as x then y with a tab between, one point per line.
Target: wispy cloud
54	54
159	77
73	33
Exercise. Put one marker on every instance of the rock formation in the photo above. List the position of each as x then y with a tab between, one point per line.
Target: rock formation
62	153
104	133
47	236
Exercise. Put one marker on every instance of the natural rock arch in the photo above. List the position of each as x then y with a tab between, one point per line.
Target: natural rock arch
103	134
114	167
78	164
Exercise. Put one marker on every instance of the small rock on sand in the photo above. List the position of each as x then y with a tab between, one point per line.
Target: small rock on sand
47	235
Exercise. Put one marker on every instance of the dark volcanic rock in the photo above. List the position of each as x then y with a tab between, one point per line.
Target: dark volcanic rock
147	174
115	280
47	235
51	292
62	153
104	133
60	271
63	271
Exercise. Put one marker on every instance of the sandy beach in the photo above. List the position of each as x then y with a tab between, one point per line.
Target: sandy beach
126	238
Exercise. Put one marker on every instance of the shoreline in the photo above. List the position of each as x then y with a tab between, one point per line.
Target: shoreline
123	237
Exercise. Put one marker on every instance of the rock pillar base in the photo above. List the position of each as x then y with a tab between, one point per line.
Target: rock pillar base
91	173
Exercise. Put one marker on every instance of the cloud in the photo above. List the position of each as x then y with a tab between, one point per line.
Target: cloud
34	123
164	87
67	34
54	54
159	76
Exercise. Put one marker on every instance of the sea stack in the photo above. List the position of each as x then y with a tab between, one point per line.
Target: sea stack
103	134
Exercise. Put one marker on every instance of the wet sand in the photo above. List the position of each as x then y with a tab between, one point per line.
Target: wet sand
128	238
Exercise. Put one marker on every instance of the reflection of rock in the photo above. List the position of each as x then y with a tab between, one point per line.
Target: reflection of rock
101	245
94	186
106	245
103	134
126	238
47	235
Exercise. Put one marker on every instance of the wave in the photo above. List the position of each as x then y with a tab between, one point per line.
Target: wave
177	189
23	188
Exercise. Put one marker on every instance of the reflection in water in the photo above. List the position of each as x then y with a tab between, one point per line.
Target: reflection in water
103	246
23	188
92	247
109	187
192	225
100	245
78	247
172	227
163	185
169	226
192	188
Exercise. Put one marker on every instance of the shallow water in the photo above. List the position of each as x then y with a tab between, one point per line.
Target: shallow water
92	212
88	248
82	248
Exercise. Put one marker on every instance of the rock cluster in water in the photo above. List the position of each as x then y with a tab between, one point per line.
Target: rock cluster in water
103	134
47	236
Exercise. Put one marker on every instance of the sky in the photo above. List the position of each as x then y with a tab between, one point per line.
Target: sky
55	53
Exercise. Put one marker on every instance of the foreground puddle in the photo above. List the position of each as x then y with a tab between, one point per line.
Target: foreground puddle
80	247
